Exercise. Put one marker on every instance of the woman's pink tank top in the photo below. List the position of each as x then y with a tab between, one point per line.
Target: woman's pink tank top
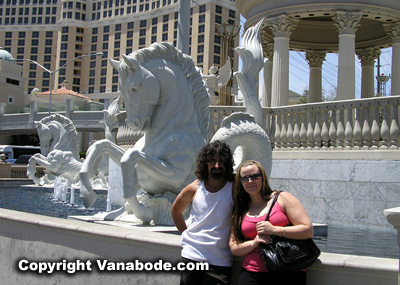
253	261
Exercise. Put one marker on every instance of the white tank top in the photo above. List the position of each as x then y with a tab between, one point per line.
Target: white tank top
207	237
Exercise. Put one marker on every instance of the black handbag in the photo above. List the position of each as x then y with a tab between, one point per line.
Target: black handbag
288	255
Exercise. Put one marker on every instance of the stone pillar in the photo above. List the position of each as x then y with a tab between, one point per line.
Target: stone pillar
394	30
106	103
347	24
68	108
393	217
183	26
267	75
367	57
80	142
282	27
32	112
315	60
2	108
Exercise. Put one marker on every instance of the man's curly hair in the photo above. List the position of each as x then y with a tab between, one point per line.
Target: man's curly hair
206	155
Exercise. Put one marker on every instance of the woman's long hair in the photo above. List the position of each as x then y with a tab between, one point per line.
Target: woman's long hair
206	155
241	199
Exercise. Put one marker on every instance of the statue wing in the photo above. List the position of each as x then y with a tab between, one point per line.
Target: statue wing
225	73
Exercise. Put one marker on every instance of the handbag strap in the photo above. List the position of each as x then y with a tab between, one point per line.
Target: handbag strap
272	204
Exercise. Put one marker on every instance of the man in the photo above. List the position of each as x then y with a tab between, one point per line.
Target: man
206	239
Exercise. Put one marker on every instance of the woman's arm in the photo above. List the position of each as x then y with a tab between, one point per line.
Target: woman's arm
243	248
301	227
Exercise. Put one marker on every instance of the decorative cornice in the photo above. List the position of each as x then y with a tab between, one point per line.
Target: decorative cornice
282	26
315	58
268	48
347	22
367	56
393	29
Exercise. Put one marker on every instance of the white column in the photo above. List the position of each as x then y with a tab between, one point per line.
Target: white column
106	104
32	112
2	108
394	31
267	75
315	60
347	24
282	27
367	57
183	26
68	108
80	141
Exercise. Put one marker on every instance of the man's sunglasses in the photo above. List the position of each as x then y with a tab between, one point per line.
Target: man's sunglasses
253	177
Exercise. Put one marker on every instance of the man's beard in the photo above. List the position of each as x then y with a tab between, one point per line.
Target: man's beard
217	173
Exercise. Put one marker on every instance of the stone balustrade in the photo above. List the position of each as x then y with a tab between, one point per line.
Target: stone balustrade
362	124
24	122
18	171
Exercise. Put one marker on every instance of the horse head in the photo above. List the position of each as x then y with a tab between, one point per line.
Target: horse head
140	90
45	137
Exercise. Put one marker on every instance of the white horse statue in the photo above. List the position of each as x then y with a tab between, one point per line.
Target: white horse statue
59	147
165	98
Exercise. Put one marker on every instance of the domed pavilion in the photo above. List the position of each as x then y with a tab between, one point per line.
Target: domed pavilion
349	28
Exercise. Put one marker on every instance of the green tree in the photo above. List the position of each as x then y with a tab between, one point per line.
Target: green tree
304	97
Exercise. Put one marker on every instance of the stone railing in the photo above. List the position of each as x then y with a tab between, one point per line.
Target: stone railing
364	124
18	171
21	122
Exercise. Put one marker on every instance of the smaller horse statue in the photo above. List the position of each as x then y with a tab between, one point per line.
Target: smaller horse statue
59	146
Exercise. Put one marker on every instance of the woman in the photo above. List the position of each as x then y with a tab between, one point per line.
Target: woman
251	197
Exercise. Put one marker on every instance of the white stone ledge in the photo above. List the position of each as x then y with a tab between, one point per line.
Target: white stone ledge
37	237
358	262
58	224
338	154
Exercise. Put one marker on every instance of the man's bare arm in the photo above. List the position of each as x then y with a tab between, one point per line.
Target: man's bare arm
182	201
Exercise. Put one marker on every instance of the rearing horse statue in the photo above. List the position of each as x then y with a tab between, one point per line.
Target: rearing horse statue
165	98
59	145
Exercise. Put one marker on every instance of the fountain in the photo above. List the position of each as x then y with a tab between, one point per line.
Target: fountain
35	238
174	119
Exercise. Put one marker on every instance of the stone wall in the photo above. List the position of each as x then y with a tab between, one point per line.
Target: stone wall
342	193
37	238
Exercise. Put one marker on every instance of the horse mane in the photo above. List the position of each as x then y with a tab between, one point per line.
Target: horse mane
168	51
69	128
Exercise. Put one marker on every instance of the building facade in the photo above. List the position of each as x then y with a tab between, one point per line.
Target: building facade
53	32
11	84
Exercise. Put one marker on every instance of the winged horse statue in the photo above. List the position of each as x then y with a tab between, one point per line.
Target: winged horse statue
166	99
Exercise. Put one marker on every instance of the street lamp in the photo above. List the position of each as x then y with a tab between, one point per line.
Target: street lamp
382	80
55	71
228	32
